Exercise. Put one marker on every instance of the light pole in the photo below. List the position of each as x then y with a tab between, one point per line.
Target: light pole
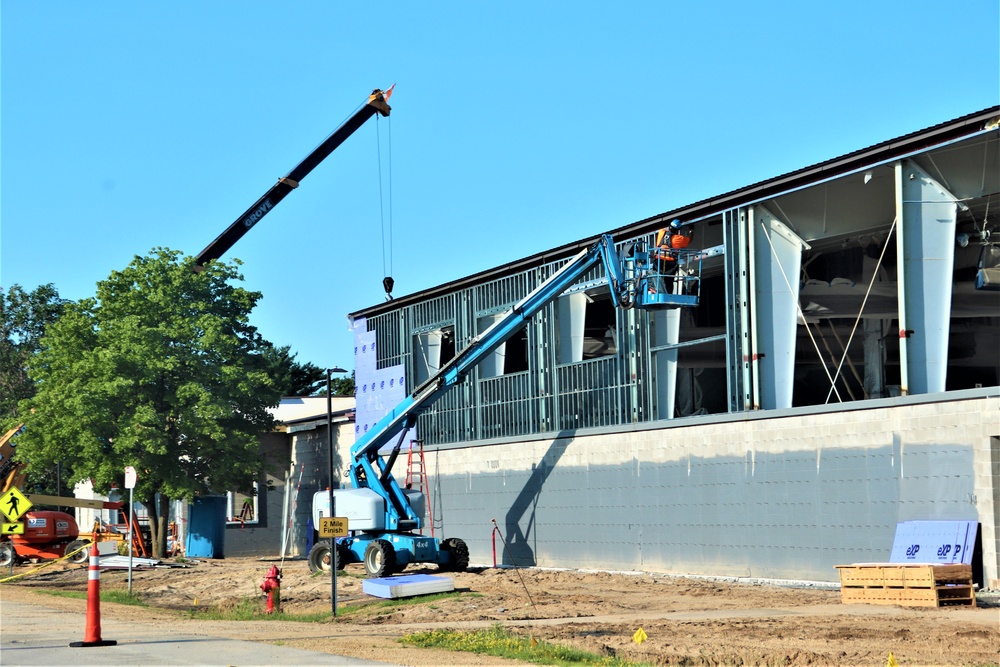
333	507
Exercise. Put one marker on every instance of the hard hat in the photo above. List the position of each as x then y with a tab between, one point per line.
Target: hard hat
675	224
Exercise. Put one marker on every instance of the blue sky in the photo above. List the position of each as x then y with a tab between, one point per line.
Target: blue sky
516	127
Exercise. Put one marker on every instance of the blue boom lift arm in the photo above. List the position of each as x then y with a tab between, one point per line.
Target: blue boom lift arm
631	285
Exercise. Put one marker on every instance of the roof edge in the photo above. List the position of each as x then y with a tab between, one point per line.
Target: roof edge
942	133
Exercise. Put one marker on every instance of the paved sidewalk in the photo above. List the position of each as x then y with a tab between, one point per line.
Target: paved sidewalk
36	635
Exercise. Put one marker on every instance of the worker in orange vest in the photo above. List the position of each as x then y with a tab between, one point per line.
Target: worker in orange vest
669	241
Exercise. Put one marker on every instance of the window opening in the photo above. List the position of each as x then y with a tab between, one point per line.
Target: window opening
432	350
241	508
587	326
516	359
509	357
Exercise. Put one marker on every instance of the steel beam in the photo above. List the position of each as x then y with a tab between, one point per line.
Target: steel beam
737	310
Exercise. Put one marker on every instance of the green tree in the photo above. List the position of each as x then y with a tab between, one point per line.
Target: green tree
338	386
293	378
341	386
23	318
161	371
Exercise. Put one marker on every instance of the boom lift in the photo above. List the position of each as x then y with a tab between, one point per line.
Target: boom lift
378	102
44	534
383	516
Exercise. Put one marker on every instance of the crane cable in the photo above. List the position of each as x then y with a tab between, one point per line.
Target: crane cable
801	314
387	281
857	320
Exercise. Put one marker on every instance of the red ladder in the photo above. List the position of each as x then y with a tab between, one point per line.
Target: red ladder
415	471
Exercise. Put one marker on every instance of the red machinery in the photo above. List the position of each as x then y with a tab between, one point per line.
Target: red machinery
48	535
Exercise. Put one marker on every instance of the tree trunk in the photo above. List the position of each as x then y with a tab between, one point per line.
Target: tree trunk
158	509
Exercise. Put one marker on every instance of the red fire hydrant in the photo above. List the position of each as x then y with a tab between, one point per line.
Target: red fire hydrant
272	586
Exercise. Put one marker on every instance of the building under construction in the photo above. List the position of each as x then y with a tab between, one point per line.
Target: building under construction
838	375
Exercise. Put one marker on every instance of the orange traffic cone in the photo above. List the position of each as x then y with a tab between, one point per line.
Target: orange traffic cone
92	635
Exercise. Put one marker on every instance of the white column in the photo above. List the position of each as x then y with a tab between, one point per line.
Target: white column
777	259
491	366
925	246
572	313
669	322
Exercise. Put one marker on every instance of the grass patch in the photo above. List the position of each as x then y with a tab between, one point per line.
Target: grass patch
341	574
500	642
250	609
111	595
388	606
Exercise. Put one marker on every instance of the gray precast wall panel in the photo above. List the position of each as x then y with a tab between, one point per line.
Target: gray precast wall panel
787	509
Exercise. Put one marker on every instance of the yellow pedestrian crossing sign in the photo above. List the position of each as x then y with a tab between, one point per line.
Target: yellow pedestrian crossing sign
14	505
13	529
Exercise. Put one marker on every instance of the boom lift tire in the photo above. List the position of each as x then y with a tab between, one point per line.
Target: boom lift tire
7	554
80	557
320	557
380	558
459	552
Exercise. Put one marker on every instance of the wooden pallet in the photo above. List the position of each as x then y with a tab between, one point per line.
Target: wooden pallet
924	585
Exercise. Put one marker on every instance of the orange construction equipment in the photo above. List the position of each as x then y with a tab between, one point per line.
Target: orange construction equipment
44	534
11	472
92	633
138	543
415	472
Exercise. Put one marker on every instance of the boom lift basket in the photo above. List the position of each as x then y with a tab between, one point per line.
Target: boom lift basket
665	284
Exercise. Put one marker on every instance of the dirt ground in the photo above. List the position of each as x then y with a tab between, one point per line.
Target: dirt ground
688	621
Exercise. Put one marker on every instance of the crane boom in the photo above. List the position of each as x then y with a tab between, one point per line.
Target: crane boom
377	104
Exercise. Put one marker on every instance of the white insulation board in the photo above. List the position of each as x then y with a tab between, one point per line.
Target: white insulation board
407	586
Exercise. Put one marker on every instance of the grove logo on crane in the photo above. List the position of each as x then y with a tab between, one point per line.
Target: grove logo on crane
258	213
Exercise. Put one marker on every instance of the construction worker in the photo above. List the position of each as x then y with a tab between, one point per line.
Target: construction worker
669	241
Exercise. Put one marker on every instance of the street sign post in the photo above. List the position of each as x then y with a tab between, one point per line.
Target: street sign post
130	479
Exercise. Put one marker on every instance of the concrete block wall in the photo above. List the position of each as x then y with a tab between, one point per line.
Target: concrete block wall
786	494
263	536
309	473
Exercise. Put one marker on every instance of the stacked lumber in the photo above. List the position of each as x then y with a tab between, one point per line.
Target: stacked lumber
910	585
